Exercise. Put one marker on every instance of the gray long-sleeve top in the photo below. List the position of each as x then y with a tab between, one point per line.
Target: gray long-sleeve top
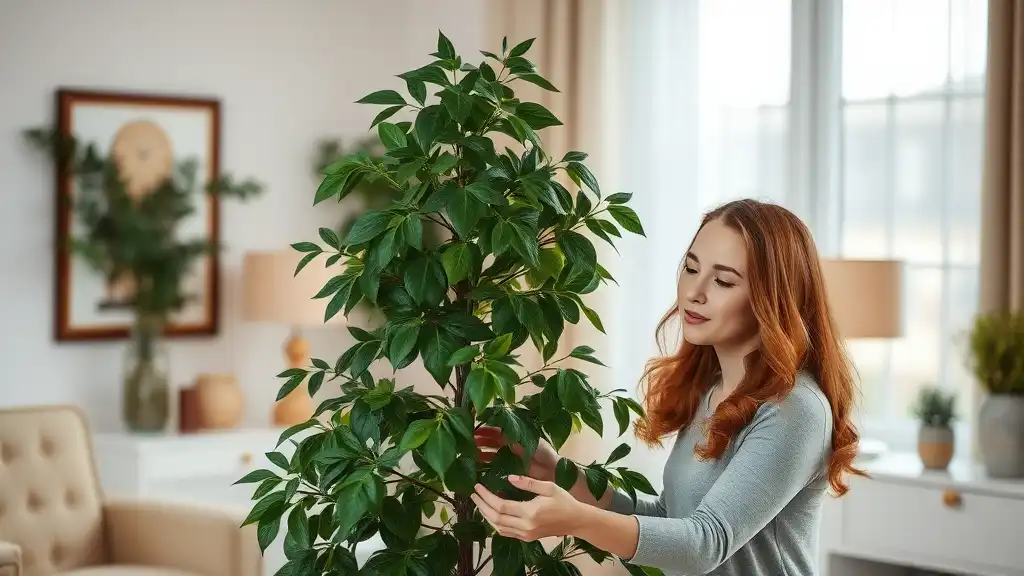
756	510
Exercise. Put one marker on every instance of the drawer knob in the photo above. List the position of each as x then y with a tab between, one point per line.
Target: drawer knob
246	458
951	498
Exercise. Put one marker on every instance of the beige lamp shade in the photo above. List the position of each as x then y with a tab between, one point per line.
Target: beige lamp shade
865	297
273	293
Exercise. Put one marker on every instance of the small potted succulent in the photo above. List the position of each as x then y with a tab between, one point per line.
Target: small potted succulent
936	410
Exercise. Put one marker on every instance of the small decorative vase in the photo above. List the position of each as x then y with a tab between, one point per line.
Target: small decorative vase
935	446
146	389
1001	435
219	400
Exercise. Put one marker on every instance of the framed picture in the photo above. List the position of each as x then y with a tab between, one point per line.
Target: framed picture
151	133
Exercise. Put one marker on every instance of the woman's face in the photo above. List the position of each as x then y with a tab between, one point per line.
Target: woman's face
714	291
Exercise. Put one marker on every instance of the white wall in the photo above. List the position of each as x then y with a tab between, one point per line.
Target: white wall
287	74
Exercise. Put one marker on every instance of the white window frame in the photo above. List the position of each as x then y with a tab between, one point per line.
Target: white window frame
816	170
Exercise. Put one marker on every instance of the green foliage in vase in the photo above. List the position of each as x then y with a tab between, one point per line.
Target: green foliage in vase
934	407
124	237
996	352
380	457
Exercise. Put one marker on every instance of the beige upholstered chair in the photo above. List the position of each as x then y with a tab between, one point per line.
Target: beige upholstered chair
54	519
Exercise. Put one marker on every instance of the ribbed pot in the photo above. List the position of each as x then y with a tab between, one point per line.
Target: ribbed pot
1001	435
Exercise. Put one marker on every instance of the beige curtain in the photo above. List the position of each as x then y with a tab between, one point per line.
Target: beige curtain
1002	235
1002	199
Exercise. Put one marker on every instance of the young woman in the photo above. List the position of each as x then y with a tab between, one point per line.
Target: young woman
758	396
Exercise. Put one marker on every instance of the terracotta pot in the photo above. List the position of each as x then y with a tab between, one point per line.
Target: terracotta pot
219	401
935	446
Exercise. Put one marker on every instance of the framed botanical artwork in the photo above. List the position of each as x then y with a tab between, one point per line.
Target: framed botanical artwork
149	135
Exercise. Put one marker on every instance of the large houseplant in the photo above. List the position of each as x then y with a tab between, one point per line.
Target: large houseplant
131	236
996	356
381	457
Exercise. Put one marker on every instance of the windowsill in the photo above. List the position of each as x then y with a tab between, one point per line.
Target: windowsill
901	436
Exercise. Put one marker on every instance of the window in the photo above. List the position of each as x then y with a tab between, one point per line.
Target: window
864	116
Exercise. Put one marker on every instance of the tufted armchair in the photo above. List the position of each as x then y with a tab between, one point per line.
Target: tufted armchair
54	520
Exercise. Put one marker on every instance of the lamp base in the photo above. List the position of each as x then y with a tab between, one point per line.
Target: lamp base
296	407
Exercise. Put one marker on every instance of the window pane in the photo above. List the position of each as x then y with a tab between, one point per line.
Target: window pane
918	181
870	359
916	358
961	303
867	48
921	46
744	52
968	44
966	137
865	183
895	47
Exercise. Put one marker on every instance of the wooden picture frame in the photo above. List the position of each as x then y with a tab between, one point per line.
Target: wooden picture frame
190	127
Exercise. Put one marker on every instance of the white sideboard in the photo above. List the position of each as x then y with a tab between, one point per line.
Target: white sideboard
195	468
906	520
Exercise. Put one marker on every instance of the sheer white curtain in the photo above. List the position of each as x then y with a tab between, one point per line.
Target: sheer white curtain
702	118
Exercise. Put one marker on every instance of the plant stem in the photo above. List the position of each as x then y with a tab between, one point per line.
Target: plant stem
463	505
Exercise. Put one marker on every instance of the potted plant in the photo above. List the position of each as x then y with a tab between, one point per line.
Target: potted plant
131	238
387	457
935	409
996	356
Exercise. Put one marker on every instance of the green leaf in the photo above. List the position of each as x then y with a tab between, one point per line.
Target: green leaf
574	156
580	173
425	281
537	116
499	346
626	218
481	385
265	508
392	136
403	341
439	451
417	89
445	49
521	48
619	198
289	386
638	481
385	114
461	477
621	415
417	433
486	193
268	528
412	228
257	476
295	429
298	527
538	80
306	247
458	262
444	163
278	459
585	353
507	556
619	453
566	473
464	355
465	211
368	226
382	97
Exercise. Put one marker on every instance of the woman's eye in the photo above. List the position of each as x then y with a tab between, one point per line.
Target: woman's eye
689	270
723	283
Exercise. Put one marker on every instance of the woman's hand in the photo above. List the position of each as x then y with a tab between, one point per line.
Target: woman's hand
554	512
542	466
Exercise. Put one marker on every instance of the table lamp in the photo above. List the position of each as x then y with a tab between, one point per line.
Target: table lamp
865	296
274	294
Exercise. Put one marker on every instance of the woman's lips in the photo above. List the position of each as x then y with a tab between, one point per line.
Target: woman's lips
693	318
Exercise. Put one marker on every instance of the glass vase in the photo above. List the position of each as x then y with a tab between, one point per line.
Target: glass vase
146	386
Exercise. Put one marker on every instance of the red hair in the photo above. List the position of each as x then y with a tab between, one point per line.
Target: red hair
798	333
